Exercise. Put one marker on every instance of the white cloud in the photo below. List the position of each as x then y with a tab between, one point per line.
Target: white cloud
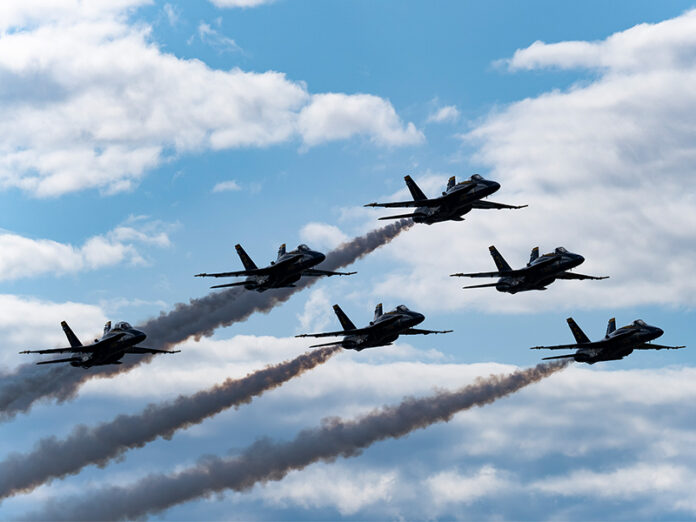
240	3
604	167
450	113
317	313
322	235
213	38
172	13
89	101
26	257
335	116
452	487
226	186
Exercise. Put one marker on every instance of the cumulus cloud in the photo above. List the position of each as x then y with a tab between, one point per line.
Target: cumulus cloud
26	257
90	101
450	113
604	166
323	235
335	116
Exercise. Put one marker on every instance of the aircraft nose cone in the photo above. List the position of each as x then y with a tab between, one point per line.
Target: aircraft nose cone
658	331
419	317
320	256
579	258
140	336
495	185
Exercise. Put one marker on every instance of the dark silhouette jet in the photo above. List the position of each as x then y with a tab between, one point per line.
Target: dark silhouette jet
456	200
114	344
281	273
383	330
539	272
616	344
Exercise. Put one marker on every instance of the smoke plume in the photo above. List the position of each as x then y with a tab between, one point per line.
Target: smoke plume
54	458
265	460
199	317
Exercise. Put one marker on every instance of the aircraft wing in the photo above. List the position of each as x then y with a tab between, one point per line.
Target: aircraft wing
494	205
418	203
315	272
257	271
562	346
573	275
52	350
653	346
140	349
417	331
354	331
69	359
478	274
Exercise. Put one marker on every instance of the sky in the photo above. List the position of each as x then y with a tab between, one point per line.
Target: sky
142	140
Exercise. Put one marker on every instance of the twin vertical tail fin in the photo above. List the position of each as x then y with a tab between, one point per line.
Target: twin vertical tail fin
378	311
281	251
107	327
451	182
72	338
499	261
611	326
579	335
346	323
416	192
246	260
534	255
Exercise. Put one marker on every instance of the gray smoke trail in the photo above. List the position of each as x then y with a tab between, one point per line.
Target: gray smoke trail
200	317
54	458
265	460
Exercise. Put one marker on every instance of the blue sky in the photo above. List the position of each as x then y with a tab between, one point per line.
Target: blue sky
122	119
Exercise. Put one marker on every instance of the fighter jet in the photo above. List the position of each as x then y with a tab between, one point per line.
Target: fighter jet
114	344
539	272
616	344
383	330
281	273
456	200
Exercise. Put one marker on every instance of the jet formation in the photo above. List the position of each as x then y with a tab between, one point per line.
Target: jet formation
616	344
540	272
113	345
383	330
457	199
286	270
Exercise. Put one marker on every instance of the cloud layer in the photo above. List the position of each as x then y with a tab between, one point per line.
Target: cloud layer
90	101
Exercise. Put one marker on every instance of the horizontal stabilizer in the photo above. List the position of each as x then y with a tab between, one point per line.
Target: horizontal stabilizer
336	343
559	347
478	274
571	356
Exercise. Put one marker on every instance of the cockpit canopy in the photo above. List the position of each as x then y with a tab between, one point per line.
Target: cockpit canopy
639	322
122	326
561	250
402	308
303	247
476	177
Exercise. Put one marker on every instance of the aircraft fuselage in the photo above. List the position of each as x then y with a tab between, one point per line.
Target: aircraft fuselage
113	353
540	273
457	202
385	330
288	276
618	344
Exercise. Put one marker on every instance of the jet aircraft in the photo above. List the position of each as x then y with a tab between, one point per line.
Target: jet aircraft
281	273
114	344
539	272
457	200
383	330
616	344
